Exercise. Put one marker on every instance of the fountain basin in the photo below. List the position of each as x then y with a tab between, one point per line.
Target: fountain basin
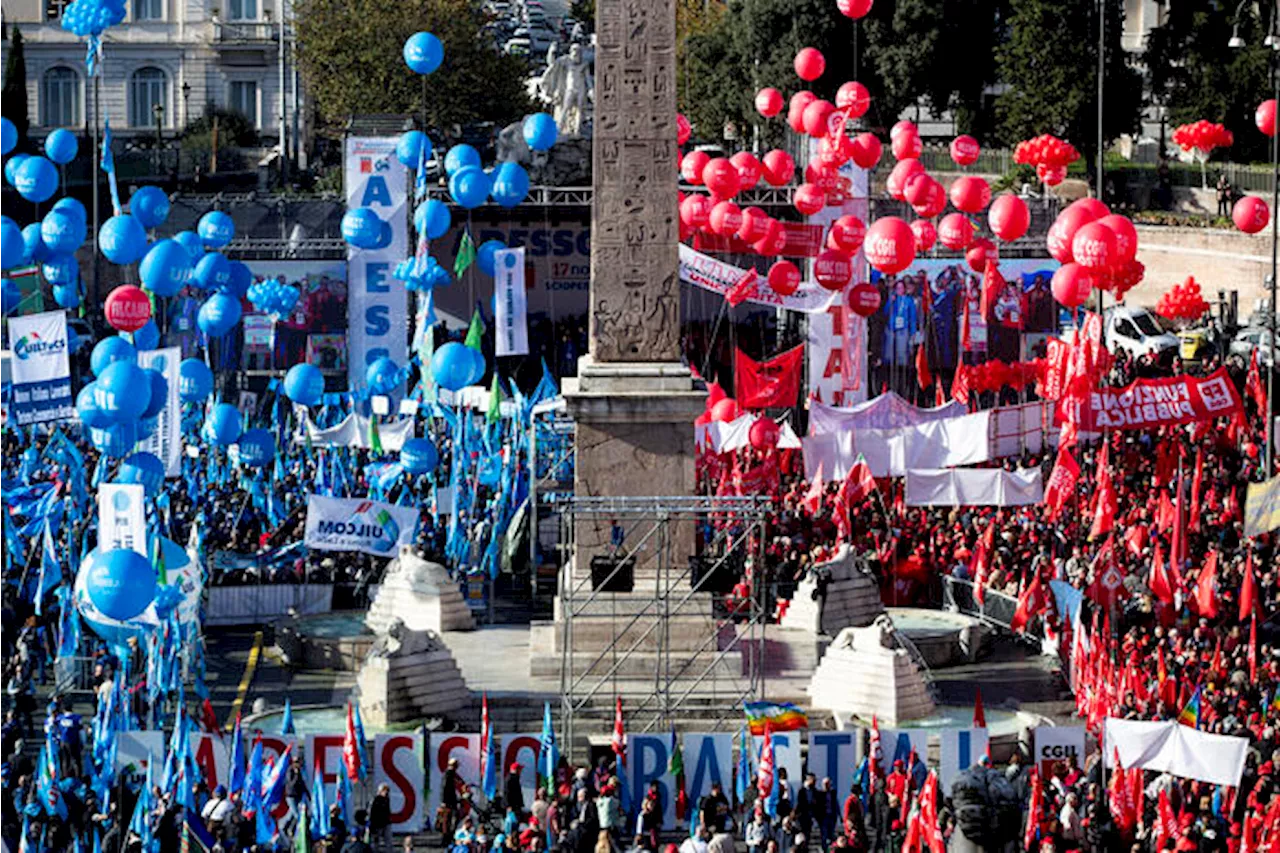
337	640
944	639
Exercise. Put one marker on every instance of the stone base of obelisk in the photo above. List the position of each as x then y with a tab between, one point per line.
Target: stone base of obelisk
634	438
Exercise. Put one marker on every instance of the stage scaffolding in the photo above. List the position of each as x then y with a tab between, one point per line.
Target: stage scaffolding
689	678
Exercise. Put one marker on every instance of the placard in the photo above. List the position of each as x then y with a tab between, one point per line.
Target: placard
40	368
122	517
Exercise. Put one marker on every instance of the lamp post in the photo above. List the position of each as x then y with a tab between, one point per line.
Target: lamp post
186	105
158	112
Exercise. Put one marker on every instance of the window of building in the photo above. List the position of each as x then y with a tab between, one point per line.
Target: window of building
243	10
147	87
243	98
53	9
148	10
60	98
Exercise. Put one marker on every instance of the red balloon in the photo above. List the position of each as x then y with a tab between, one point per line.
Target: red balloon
768	102
1071	285
764	434
854	99
955	231
725	218
1250	214
726	410
890	245
979	252
847	234
809	198
1126	237
1264	117
832	269
896	183
854	8
779	167
1094	207
926	234
784	278
902	127
721	177
970	193
934	202
749	169
863	299
1008	217
127	308
755	224
809	64
815	117
796	108
906	145
1064	229
683	129
866	150
915	190
773	241
695	211
692	165
965	150
1094	247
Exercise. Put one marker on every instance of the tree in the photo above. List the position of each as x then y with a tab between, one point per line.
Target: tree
1050	64
1197	76
14	94
350	55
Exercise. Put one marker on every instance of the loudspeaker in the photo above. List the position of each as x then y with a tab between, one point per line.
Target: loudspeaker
719	578
624	580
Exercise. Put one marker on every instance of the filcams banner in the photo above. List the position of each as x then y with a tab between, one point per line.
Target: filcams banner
352	524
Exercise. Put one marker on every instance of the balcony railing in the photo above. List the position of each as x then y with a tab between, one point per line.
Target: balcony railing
244	32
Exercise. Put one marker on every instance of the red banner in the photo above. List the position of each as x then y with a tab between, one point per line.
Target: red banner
765	384
1150	403
1062	482
803	241
1057	357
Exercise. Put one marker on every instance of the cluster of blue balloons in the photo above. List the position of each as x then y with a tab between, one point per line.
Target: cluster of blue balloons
91	17
364	229
432	218
121	406
33	176
144	469
423	53
166	268
455	366
419	456
215	229
304	384
121	583
471	186
273	297
431	276
410	148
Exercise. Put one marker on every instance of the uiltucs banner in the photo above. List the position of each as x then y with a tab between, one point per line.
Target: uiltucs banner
41	368
353	524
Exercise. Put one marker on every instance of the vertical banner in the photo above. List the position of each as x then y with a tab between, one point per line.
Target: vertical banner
897	744
1057	744
41	368
786	756
166	442
122	517
465	748
834	756
521	749
509	309
398	764
960	750
837	349
707	758
649	760
377	306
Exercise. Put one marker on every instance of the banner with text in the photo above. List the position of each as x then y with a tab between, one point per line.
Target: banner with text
122	517
1151	403
837	350
40	368
510	304
354	524
717	276
166	442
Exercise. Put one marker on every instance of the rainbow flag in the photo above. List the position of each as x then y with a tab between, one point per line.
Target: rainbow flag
1190	715
779	717
1275	700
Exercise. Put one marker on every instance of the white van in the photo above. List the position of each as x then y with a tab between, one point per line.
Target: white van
1136	331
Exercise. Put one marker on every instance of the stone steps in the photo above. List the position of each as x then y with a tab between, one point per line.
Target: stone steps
859	675
420	679
682	634
641	667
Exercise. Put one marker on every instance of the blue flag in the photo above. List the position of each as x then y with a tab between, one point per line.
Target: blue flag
319	810
236	782
253	781
109	166
286	719
360	742
273	785
742	779
548	754
490	784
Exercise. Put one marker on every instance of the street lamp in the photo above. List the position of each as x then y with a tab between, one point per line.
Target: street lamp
1272	41
186	96
158	112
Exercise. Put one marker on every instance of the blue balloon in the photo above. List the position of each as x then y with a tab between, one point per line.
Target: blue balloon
143	469
110	350
239	281
423	53
150	205
195	381
159	393
122	239
225	424
61	146
419	456
257	448
212	272
361	227
510	184
381	375
34	251
451	366
304	384
67	296
166	268
90	414
72	206
8	136
147	427
12	246
485	255
11	168
409	148
540	131
123	391
62	232
459	157
477	365
37	179
432	216
60	269
216	229
10	295
218	315
147	338
121	583
190	241
469	187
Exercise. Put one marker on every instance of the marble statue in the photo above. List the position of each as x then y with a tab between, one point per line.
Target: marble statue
568	86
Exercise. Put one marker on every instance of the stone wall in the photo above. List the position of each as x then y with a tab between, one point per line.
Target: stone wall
1219	260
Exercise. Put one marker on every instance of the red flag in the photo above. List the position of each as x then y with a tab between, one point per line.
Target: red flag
1165	515
1104	511
923	377
208	719
1197	480
743	288
966	338
1062	482
929	813
938	399
1253	384
1030	603
764	772
484	732
979	715
1158	580
766	384
619	740
1178	549
1253	648
992	284
960	385
350	750
978	562
1033	812
1166	821
1248	594
813	498
858	484
1206	597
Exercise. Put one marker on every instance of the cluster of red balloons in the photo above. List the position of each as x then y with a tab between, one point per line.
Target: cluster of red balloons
1202	136
1250	214
995	374
1182	302
1088	236
1050	155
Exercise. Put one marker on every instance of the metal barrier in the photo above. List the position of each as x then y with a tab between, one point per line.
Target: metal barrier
996	607
74	674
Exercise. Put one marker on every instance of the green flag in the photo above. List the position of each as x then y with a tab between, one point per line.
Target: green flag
475	333
375	438
300	841
495	401
466	254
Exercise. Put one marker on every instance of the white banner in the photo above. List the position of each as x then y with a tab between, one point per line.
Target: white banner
511	332
959	750
397	762
166	442
892	452
717	276
353	431
837	353
887	411
139	748
1172	748
40	368
973	487
725	437
377	306
122	517
897	745
834	756
1056	744
353	524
